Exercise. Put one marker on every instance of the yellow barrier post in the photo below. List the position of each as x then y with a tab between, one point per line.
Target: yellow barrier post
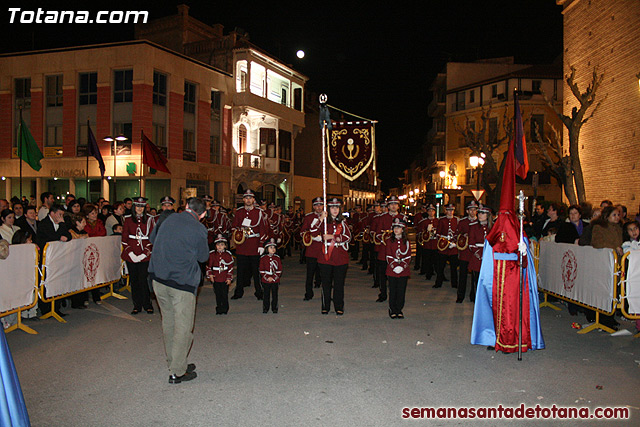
623	291
111	293
546	302
20	325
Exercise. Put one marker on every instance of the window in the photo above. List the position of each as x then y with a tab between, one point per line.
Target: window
242	139
216	150
88	88
188	145
493	130
159	89
158	137
494	91
189	98
284	99
54	91
268	142
54	136
123	86
241	76
125	129
472	96
23	93
285	145
215	104
537	120
297	98
460	101
258	78
536	85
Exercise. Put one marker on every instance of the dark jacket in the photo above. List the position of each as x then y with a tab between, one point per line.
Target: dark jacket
47	233
178	246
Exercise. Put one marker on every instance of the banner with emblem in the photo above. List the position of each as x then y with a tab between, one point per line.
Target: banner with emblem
81	263
351	148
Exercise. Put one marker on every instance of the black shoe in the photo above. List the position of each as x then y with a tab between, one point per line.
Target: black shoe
400	315
191	367
325	312
307	298
135	311
428	277
317	285
369	272
436	286
375	286
392	315
149	310
265	311
236	297
339	312
381	299
274	311
188	376
459	300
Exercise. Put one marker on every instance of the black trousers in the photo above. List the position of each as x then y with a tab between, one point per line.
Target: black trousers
474	285
333	277
248	267
312	272
442	262
221	290
429	261
270	291
354	249
366	248
397	291
463	270
417	262
373	256
138	272
381	270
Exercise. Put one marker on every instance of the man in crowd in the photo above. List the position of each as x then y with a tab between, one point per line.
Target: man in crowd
538	220
18	210
178	247
47	201
250	229
448	251
313	247
128	203
4	204
464	254
29	221
68	199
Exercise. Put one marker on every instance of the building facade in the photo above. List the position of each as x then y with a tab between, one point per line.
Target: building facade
605	35
182	105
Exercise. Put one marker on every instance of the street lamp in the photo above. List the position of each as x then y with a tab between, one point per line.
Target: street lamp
119	138
474	162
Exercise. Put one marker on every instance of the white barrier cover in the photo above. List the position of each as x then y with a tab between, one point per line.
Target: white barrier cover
18	277
633	282
81	263
581	273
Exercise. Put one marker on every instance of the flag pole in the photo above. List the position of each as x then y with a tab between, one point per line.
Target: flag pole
323	102
87	170
141	158
521	198
20	153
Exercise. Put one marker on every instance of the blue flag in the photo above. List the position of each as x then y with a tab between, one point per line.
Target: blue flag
94	150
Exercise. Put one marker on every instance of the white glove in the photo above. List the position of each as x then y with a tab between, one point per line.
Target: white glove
429	227
279	241
260	251
522	247
134	257
317	239
398	270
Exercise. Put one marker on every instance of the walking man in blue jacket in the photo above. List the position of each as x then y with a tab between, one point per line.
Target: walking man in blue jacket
178	246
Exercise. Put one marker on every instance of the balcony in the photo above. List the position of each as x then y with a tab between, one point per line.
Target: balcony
436	107
250	161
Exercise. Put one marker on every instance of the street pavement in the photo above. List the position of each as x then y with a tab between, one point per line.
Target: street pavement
105	367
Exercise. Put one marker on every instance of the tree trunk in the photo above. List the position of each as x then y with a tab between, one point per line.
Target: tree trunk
576	166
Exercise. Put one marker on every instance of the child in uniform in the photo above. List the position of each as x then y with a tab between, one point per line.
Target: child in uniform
398	256
220	273
270	272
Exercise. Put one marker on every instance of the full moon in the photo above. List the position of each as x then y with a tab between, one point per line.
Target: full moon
300	54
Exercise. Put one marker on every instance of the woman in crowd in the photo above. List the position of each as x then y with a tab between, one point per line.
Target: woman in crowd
136	253
571	230
7	229
117	217
398	257
606	233
95	227
73	208
553	223
334	260
22	236
585	238
105	211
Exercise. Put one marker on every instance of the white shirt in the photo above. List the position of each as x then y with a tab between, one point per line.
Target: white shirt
43	212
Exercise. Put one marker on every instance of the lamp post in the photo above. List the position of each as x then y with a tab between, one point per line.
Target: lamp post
474	162
119	138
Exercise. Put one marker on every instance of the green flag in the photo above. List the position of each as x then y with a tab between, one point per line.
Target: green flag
28	149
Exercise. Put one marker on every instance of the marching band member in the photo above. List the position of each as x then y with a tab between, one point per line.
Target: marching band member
313	247
365	226
249	230
462	242
379	208
477	234
356	228
137	252
220	273
447	248
334	259
427	237
383	232
398	254
220	223
417	265
270	273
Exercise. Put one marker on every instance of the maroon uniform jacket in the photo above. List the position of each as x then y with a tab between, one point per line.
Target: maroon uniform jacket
423	227
315	249
135	237
270	268
398	254
447	229
477	234
337	249
254	222
383	224
463	228
220	266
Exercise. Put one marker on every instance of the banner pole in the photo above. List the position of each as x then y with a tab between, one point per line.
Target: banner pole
19	155
323	101
87	170
141	159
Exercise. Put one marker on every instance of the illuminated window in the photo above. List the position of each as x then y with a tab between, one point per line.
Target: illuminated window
241	76
242	138
258	79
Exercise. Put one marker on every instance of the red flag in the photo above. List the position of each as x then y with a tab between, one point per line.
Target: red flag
152	156
522	160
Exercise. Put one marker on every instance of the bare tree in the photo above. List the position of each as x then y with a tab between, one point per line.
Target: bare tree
482	139
575	122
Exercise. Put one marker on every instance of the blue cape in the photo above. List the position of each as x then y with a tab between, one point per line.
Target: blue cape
13	411
483	330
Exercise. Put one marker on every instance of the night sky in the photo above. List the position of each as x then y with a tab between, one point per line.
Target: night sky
375	59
